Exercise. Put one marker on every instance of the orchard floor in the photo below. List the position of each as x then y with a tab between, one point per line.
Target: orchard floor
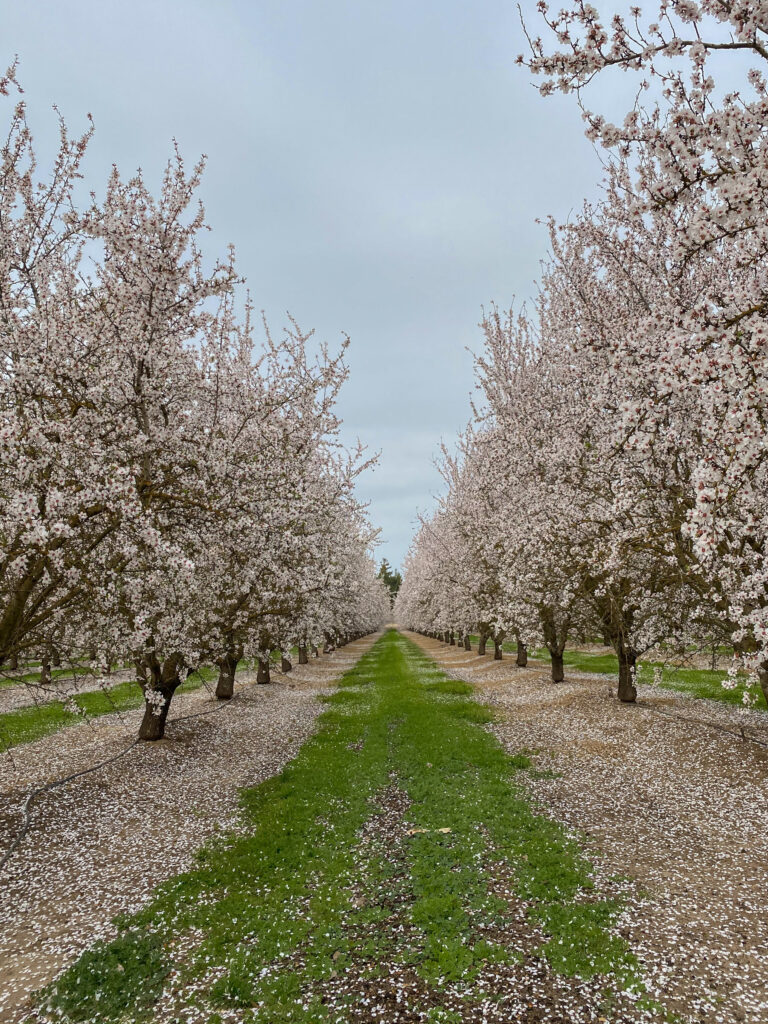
100	844
666	792
667	799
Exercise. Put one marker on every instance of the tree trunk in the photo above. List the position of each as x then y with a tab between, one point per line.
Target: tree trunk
627	659
315	652
558	673
262	672
452	640
762	676
225	687
467	642
13	664
522	655
45	672
481	643
303	659
555	644
498	646
153	725
56	658
285	664
157	680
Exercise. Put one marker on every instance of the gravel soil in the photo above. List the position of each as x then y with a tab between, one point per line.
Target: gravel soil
98	845
672	794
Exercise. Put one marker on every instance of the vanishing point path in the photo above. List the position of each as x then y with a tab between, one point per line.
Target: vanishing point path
398	869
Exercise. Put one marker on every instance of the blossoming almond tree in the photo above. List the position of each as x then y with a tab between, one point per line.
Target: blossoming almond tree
700	164
166	483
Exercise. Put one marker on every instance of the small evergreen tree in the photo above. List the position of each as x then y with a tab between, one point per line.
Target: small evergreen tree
392	578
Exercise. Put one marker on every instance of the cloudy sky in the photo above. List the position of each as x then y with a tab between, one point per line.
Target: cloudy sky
378	166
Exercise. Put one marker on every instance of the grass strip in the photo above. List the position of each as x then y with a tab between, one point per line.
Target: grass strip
270	914
31	723
702	683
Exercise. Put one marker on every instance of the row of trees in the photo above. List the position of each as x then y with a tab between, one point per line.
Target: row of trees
614	479
174	494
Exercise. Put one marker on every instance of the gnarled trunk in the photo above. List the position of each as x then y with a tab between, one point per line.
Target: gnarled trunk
285	664
558	672
303	659
452	639
522	654
225	687
762	678
627	661
555	643
498	647
159	683
262	670
467	643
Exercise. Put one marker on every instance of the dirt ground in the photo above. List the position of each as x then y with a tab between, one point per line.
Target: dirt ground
80	863
668	793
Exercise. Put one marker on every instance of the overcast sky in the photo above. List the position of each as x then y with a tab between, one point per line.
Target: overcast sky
378	166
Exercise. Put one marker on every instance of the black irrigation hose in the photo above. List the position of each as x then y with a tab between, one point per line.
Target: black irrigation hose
742	734
34	793
39	790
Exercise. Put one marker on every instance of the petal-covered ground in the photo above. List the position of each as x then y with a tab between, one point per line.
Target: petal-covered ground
549	856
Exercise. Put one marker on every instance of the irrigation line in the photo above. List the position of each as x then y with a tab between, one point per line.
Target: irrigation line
39	790
742	734
35	793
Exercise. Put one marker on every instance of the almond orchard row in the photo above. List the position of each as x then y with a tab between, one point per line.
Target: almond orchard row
614	479
174	494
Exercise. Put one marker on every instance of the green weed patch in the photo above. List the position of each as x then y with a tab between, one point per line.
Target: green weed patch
37	720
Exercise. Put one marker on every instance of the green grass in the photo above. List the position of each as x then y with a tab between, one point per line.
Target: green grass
270	914
33	676
698	682
31	723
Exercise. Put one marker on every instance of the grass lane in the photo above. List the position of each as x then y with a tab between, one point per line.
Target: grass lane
697	682
31	723
390	856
